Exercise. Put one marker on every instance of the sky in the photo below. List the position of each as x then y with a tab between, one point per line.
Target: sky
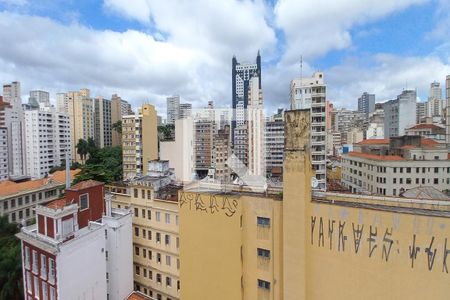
147	50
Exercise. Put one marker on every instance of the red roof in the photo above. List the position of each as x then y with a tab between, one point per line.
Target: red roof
429	142
375	157
426	126
8	187
138	296
374	142
55	204
85	184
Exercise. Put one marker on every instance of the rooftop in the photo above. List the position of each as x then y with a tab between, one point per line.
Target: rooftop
9	187
85	184
374	142
425	192
426	126
138	296
376	157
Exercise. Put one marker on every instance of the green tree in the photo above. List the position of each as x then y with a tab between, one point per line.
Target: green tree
104	165
82	149
10	262
117	126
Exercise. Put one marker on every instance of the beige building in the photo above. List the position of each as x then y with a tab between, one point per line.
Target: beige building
249	244
156	261
80	108
119	108
139	141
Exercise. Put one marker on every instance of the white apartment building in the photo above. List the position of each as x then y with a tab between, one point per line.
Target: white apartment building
256	130
3	153
311	93
12	117
131	145
47	140
173	109
435	104
79	248
400	114
390	169
39	97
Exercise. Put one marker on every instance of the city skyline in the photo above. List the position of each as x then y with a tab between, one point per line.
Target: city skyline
349	51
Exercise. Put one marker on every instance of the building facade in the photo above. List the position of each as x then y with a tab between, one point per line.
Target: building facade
430	131
366	103
435	104
139	141
447	111
421	111
38	98
394	166
185	110
73	233
241	74
102	122
310	93
274	139
12	117
156	243
4	170
47	140
173	109
400	114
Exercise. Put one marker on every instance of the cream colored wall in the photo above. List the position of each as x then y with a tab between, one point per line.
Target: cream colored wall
149	135
210	246
145	244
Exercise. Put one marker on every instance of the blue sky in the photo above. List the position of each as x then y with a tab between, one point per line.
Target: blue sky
146	50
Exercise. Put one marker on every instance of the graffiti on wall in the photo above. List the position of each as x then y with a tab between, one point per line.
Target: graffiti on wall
210	204
381	243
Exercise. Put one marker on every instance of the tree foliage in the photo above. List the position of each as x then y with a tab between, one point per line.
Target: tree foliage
103	164
117	126
82	149
166	132
10	262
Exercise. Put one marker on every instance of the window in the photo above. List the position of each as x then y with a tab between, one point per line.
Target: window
150	254
158	216
143	194
263	253
178	284
43	266
36	285
84	201
436	170
158	257
149	234
149	214
408	170
158	278
136	250
35	262
394	192
177	220
29	285
436	181
136	212
168	258
51	270
136	231
401	180
178	263
408	180
44	290
144	234
145	272
149	195
394	180
158	237
423	180
52	293
167	218
168	281
262	284
143	213
167	239
264	222
5	205
144	253
137	270
178	242
27	257
135	193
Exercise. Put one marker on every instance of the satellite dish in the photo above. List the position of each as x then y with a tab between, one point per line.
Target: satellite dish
314	182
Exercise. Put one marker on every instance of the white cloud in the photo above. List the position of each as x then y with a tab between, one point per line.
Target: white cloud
135	9
387	76
314	27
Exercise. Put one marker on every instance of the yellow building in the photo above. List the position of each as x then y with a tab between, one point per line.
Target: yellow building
155	233
239	243
139	141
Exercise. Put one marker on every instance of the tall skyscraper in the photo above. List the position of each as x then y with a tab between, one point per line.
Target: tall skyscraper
366	103
12	118
435	104
310	93
119	108
256	125
241	75
173	109
47	139
102	122
400	114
